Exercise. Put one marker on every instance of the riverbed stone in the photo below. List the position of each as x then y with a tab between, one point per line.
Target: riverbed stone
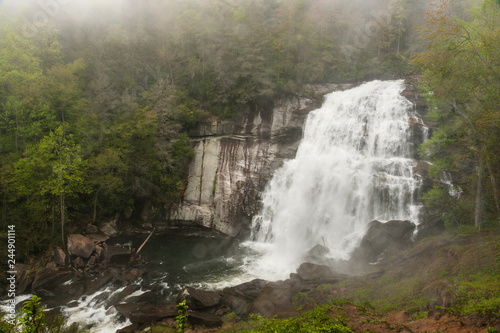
93	285
50	278
98	238
60	258
92	261
142	313
108	229
79	262
117	298
80	246
25	280
204	318
198	299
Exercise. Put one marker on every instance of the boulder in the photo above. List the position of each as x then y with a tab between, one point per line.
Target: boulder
312	273
317	253
238	305
198	299
117	298
92	262
92	286
108	229
276	299
80	246
60	258
50	279
308	271
99	251
63	294
248	290
393	235
204	318
129	329
146	313
24	281
97	238
79	262
126	309
241	297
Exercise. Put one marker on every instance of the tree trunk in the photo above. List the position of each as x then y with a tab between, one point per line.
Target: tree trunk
495	188
479	195
62	218
53	219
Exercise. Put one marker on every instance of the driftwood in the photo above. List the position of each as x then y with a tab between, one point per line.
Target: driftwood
140	248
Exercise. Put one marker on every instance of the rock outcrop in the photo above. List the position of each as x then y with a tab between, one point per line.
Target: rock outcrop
233	162
382	237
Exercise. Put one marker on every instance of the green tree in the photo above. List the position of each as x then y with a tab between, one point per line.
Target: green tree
461	79
54	168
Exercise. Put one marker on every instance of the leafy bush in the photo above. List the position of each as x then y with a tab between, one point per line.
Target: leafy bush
318	320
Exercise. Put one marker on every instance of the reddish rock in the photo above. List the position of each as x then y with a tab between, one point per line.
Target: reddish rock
60	258
80	246
79	262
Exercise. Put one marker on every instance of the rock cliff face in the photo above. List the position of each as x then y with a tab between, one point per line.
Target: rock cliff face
234	161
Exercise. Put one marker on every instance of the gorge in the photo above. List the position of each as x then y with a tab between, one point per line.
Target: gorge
355	163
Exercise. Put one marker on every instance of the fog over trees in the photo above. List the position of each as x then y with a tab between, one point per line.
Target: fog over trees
97	97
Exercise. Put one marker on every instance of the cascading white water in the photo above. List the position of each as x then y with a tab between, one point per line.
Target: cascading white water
353	165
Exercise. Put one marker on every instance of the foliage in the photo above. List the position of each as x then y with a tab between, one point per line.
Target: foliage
317	320
33	319
182	317
464	147
95	122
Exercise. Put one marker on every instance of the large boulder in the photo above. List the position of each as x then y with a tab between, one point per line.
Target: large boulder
317	274
108	229
25	280
80	246
392	235
204	318
198	299
276	299
241	297
50	279
317	254
146	313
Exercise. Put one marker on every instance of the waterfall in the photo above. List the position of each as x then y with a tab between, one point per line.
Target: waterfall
354	164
